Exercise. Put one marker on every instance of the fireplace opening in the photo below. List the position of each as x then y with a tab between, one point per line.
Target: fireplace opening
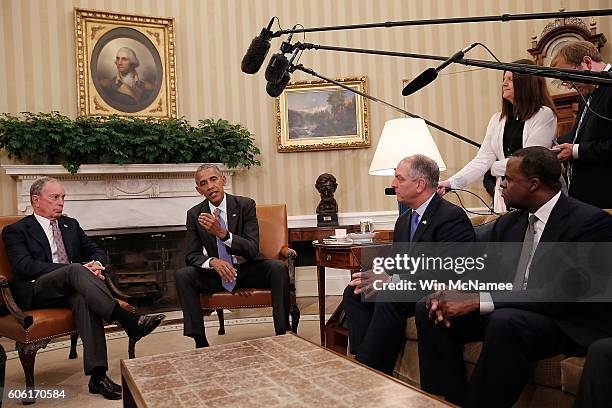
143	263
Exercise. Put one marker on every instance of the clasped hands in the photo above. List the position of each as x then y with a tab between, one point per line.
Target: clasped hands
363	282
444	305
96	268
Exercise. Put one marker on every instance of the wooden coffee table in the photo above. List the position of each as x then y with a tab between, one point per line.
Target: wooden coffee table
281	371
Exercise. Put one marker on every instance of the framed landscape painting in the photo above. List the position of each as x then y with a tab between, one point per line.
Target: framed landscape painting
318	115
125	64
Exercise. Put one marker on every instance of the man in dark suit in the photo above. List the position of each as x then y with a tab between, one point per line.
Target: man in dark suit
595	389
587	148
55	264
223	253
519	327
377	329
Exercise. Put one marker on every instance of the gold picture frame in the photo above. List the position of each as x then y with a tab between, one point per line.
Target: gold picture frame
323	116
125	64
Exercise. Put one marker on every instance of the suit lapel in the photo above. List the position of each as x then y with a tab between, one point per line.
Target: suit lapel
66	236
232	213
425	221
36	231
208	239
588	115
553	229
556	221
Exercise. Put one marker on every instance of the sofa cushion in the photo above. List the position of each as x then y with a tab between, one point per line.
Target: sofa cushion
571	370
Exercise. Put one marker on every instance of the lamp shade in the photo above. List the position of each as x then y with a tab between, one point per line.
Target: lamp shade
402	138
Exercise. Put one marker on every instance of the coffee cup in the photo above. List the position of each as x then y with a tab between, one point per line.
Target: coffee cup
340	233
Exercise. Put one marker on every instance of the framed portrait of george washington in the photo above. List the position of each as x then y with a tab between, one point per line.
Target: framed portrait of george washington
318	115
125	64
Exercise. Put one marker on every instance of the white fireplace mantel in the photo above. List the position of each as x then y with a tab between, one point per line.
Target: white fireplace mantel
109	196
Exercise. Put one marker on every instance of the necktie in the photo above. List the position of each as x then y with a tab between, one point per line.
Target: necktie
222	252
520	279
414	223
61	254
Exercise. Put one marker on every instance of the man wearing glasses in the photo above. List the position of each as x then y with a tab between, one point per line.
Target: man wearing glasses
587	149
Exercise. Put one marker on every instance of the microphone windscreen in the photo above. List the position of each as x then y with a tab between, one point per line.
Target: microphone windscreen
255	55
276	68
419	82
390	191
275	89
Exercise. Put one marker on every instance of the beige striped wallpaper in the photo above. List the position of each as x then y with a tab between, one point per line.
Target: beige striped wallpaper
37	73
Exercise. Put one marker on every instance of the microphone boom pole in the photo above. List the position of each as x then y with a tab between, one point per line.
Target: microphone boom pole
589	77
477	19
412	115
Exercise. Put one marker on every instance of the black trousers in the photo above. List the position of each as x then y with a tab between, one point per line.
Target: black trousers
272	274
377	330
513	340
595	388
91	303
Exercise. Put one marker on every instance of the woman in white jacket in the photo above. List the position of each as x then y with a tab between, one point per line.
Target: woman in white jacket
527	118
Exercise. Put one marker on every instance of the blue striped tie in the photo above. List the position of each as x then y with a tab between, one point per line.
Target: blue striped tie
223	254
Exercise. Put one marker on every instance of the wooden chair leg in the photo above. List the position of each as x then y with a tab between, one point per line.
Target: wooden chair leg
221	321
294	312
132	348
27	355
74	338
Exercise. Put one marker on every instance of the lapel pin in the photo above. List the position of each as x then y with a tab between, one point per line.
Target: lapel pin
65	226
233	215
424	222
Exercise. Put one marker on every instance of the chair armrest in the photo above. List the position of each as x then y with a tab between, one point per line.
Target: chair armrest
290	254
7	297
118	293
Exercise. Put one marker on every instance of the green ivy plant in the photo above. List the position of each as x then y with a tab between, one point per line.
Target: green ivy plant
52	138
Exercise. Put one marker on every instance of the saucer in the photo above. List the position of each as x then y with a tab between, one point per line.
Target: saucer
361	237
340	237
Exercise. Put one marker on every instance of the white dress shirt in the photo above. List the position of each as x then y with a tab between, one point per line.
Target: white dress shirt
542	214
45	223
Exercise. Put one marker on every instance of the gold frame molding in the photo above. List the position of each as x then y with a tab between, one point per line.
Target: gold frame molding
331	142
93	30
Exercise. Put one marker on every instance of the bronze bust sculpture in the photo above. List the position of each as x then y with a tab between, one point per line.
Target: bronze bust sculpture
327	210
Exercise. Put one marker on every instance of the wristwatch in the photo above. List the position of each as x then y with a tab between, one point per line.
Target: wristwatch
226	237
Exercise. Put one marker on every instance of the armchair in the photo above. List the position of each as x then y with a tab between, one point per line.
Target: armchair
34	329
273	243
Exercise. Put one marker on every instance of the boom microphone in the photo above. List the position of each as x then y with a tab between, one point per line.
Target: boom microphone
430	74
390	191
278	62
257	51
274	89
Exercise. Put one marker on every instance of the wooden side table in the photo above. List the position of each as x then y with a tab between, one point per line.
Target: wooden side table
310	234
352	257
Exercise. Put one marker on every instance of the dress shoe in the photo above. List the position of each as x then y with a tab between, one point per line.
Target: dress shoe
146	324
105	386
